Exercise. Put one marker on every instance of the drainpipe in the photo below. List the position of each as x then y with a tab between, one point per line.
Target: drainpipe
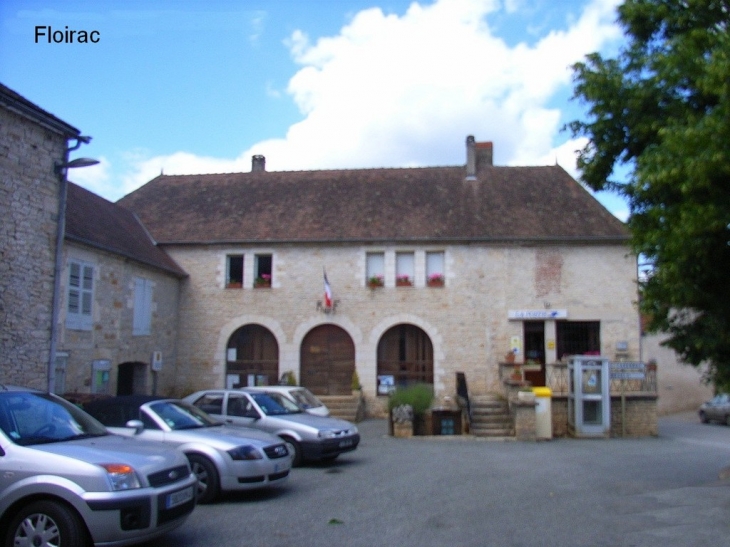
61	169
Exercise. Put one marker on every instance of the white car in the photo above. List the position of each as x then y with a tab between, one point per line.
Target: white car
222	458
65	480
308	437
304	399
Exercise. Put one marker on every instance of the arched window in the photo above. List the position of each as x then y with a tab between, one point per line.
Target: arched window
405	354
253	356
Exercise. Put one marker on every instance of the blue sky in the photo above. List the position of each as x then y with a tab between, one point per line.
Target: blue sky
185	86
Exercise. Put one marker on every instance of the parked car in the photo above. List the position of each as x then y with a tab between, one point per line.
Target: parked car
716	409
309	437
304	399
65	480
222	458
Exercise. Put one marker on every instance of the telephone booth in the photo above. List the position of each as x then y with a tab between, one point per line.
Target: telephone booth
589	397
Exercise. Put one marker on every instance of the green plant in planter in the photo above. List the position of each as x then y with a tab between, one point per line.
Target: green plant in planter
288	379
418	396
355	381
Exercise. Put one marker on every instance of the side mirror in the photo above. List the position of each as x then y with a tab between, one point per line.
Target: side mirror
137	425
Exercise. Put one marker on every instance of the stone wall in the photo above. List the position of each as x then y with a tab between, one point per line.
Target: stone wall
111	335
641	416
28	215
466	321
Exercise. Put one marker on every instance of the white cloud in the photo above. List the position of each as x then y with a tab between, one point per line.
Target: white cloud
391	90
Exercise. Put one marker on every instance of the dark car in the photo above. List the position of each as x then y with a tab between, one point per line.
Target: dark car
716	409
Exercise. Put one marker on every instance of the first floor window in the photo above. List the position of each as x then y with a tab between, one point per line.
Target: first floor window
80	295
263	270
375	269
435	268
142	318
404	269
234	271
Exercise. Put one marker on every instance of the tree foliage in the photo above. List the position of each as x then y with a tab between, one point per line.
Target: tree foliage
661	109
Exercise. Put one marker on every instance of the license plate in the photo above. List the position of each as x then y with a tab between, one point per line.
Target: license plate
346	443
179	497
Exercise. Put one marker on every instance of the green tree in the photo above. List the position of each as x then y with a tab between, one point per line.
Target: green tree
661	111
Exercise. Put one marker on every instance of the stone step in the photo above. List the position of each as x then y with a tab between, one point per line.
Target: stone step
490	416
345	407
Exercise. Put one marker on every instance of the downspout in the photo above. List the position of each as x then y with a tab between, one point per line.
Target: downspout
62	171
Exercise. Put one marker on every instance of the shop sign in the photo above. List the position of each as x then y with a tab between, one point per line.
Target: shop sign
522	315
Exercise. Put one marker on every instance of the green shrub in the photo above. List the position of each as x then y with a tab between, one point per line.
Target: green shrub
419	396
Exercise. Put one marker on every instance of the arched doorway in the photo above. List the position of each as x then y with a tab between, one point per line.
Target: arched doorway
327	361
131	379
405	356
252	357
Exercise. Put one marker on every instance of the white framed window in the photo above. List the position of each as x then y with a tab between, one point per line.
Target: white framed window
234	271
375	268
142	318
435	267
263	270
404	268
80	295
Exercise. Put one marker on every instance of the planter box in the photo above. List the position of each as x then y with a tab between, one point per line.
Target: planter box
403	283
434	283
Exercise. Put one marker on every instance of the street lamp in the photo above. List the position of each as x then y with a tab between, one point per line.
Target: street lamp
61	169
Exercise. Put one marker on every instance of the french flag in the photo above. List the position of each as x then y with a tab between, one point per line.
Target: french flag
327	291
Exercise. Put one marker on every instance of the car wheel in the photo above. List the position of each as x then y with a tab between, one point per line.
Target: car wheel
207	475
703	418
295	450
46	523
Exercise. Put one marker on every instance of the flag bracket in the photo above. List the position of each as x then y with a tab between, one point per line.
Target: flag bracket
327	309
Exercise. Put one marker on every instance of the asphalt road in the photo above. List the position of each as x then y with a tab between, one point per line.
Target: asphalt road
668	490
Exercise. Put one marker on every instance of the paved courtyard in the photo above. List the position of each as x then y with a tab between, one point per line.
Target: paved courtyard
466	492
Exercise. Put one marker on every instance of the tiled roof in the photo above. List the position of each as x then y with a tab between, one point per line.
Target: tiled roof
94	221
408	204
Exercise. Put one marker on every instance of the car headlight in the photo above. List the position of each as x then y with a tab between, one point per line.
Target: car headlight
121	476
245	453
327	434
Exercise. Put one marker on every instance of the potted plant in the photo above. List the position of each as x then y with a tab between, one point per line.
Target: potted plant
375	281
403	281
264	280
419	398
356	387
435	280
516	373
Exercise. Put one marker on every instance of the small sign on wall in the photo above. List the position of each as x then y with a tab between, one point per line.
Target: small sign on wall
156	361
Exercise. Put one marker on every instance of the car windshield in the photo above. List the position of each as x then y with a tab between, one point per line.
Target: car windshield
179	415
305	399
275	404
29	418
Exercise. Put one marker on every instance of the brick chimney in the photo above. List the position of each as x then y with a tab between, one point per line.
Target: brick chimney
478	155
258	163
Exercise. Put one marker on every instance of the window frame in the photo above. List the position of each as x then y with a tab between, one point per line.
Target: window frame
80	296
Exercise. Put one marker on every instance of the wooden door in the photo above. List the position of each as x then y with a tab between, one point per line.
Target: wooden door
327	361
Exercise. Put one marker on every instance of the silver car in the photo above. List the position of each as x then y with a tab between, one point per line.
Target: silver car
304	399
716	409
222	458
309	437
65	480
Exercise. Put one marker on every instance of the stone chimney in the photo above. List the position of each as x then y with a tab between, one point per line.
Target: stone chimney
258	163
478	155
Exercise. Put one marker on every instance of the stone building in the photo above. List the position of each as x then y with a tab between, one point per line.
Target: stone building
120	301
432	271
32	142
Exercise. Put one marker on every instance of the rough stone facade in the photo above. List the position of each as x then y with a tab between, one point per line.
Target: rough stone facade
29	197
110	342
466	320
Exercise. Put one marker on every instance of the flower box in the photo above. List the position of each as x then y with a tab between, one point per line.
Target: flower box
435	280
403	281
263	282
234	285
376	281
